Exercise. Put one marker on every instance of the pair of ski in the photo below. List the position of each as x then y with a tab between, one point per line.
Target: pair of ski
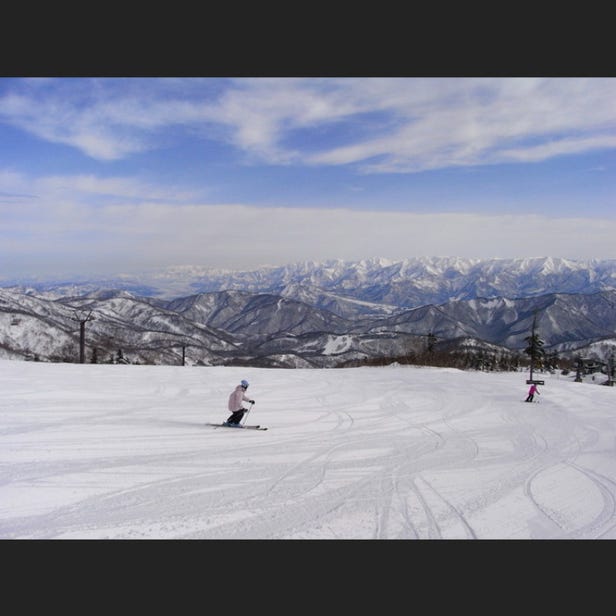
237	426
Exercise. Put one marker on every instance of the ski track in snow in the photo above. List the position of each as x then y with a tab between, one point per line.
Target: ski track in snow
124	452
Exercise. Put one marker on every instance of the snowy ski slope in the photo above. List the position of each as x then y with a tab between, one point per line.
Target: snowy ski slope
123	452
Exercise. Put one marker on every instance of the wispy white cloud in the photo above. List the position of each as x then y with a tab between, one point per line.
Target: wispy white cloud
558	147
86	189
378	125
490	121
64	122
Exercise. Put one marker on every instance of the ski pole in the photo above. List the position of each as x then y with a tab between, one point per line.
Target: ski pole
248	411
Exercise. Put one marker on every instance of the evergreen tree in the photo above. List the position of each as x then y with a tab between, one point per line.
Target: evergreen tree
431	342
534	348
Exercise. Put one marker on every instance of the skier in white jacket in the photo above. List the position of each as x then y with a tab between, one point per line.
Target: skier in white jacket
238	395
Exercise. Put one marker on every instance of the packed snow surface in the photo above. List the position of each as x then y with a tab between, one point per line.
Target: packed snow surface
399	452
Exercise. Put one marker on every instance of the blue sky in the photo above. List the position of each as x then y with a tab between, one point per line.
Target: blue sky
105	176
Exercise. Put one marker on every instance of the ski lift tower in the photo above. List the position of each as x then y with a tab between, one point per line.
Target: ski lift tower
82	320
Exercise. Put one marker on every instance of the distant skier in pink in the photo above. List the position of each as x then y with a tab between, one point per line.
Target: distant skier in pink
531	393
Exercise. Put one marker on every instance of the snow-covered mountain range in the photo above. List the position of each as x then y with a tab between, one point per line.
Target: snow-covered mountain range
314	314
375	284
